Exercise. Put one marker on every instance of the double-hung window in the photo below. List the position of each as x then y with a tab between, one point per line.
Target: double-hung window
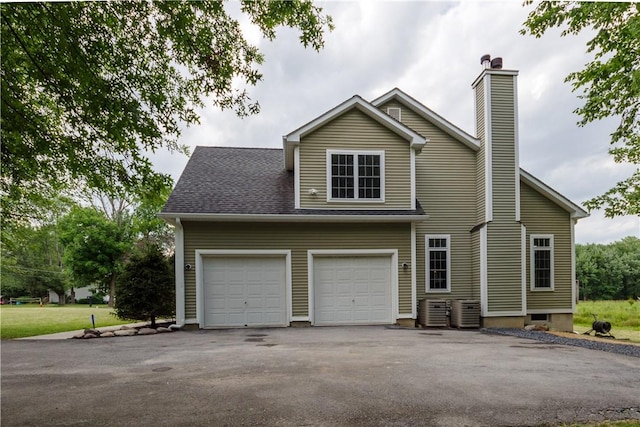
355	175
541	247
438	263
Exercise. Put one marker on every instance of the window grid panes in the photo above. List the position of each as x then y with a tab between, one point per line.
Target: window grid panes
438	249
356	176
542	262
342	179
368	176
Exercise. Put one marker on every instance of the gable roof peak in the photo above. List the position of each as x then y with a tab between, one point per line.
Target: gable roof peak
356	101
428	114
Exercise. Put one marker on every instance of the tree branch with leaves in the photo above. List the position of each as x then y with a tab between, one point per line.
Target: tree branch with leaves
609	84
88	88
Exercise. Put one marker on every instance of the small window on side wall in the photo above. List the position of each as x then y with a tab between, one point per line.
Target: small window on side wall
438	263
395	112
542	268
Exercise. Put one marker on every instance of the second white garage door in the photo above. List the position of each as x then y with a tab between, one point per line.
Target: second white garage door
244	291
353	290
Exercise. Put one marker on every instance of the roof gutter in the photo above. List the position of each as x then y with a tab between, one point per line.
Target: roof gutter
169	217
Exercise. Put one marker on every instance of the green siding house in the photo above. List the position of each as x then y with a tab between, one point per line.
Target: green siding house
369	209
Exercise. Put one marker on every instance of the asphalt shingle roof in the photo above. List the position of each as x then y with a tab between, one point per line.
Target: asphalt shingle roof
223	180
233	180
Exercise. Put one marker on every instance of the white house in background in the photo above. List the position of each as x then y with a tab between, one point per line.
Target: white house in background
80	293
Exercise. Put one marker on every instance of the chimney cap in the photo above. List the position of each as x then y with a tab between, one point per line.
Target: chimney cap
484	58
496	63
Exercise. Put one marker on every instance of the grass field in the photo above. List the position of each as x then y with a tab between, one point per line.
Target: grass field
624	317
30	320
19	321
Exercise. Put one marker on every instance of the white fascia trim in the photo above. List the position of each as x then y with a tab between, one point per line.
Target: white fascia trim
202	253
574	297
296	175
488	71
413	266
488	152
392	253
434	118
551	311
414	138
412	160
484	287
576	211
179	269
504	314
516	146
298	218
523	264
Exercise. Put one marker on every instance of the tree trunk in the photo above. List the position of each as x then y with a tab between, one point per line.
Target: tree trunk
112	290
61	298
153	321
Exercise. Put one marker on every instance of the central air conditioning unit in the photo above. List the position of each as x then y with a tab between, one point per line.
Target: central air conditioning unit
465	313
432	312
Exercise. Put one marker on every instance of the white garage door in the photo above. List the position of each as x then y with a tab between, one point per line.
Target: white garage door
244	291
352	290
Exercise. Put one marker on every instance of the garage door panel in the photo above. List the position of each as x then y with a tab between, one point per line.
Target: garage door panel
352	290
244	291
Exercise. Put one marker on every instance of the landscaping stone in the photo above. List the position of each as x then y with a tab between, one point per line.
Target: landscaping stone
535	327
125	332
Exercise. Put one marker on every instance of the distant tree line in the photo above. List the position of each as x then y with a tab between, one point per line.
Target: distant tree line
609	272
81	241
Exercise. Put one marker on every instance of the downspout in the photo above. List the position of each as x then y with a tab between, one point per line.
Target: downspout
179	271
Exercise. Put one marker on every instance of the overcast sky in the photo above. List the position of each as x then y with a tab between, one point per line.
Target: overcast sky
431	50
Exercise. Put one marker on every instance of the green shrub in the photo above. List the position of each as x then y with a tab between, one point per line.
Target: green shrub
145	290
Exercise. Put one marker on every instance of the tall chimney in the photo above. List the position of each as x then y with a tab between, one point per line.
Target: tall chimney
500	240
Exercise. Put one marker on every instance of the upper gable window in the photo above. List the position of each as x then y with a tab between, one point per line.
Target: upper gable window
395	112
355	175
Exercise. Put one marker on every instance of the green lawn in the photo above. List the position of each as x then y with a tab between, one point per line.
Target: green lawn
624	317
18	321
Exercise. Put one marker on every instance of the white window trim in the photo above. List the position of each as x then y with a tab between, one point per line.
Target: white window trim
532	262
427	250
355	154
399	112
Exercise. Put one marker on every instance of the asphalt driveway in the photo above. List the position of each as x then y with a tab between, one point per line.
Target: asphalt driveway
314	376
